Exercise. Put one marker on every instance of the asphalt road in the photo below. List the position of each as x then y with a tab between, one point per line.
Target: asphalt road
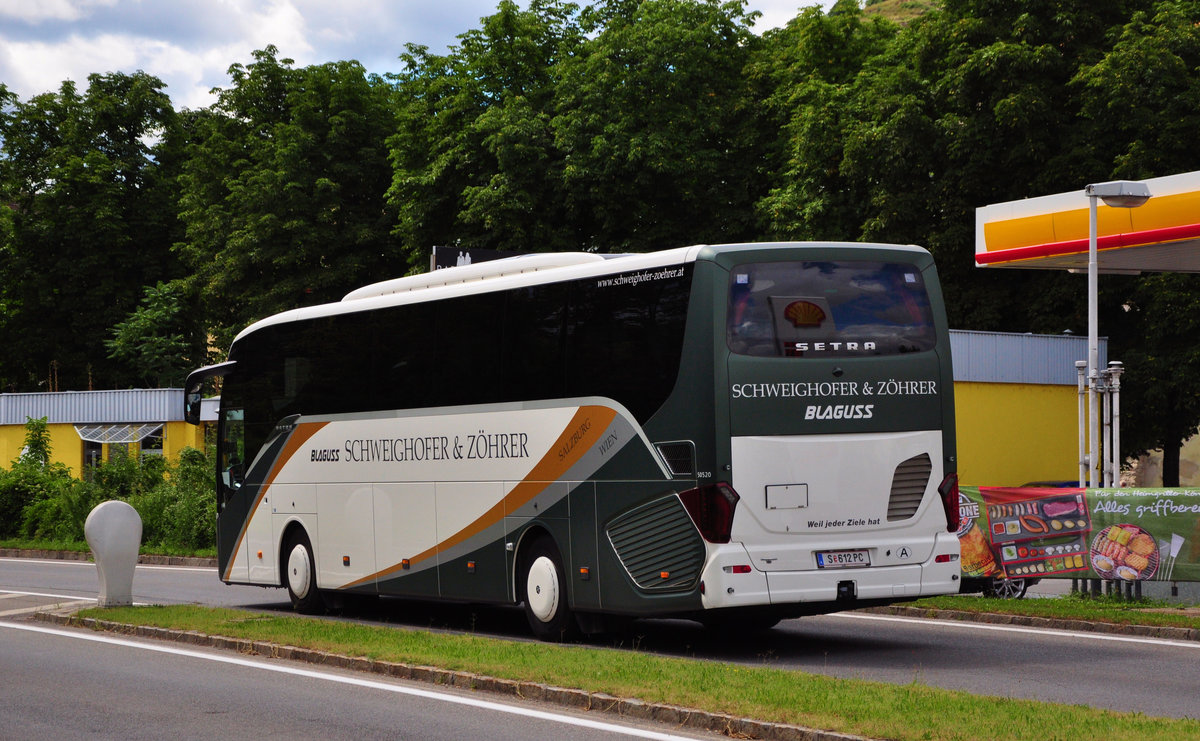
1152	676
73	684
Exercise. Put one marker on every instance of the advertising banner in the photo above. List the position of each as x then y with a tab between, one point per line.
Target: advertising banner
1120	534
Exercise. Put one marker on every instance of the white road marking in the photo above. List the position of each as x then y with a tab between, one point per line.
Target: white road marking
1025	629
627	731
51	596
42	608
69	599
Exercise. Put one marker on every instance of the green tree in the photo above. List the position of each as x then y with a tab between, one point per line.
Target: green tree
1152	331
162	339
808	69
90	220
659	126
283	189
475	159
970	104
1141	103
36	451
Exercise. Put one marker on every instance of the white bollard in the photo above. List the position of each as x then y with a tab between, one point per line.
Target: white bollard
114	532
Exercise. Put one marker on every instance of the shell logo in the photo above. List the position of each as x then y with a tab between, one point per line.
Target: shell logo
804	314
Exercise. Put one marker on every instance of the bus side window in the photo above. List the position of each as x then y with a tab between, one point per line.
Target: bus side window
233	450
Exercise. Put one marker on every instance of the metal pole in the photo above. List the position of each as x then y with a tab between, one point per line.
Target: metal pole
1115	369
1105	430
1093	343
1081	369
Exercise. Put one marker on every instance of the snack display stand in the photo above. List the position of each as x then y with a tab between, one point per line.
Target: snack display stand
1124	535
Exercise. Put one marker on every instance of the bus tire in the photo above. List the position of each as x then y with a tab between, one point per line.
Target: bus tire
544	592
300	576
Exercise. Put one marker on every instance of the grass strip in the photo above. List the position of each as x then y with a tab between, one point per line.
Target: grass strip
1103	609
865	708
75	546
27	544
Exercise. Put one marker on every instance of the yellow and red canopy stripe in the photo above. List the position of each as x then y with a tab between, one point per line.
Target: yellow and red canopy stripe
1052	231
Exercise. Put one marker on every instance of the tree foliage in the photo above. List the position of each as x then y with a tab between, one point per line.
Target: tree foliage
282	192
90	221
162	339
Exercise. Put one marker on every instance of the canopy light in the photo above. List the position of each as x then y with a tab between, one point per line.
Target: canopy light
1119	193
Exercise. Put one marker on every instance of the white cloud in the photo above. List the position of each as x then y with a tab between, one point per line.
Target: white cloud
40	11
190	44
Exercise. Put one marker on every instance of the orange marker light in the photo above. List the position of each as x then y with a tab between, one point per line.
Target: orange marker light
664	574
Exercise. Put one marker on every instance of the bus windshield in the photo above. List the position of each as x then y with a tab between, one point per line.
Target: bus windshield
828	309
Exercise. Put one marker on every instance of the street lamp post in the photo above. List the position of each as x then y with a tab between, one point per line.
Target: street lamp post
1117	194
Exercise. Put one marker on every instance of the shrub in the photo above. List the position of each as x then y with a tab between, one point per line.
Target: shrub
176	503
60	508
32	478
179	512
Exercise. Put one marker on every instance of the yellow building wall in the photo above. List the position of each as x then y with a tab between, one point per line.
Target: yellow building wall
180	435
1011	434
66	447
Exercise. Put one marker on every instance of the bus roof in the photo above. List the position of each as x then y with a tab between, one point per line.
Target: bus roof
521	271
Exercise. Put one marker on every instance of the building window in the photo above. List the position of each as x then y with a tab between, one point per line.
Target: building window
93	453
152	444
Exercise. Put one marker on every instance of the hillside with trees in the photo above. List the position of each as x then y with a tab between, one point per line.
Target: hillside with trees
136	238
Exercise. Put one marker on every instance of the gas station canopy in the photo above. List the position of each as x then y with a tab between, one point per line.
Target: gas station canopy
1051	232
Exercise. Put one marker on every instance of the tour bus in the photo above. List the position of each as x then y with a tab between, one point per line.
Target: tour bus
735	434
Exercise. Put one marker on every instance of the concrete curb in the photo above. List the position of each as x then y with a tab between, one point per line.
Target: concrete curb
1083	626
680	717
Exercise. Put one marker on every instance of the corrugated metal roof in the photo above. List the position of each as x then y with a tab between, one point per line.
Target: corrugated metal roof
94	407
1002	357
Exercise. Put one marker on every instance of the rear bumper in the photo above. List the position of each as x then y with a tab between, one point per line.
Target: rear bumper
723	588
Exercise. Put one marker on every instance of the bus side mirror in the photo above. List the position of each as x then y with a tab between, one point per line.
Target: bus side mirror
191	406
193	396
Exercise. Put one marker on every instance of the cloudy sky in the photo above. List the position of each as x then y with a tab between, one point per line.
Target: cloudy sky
189	44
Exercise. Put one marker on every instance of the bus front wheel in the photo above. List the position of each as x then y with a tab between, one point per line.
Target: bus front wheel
300	576
544	593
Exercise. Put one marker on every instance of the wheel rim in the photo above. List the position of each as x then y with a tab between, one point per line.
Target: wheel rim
299	571
541	589
1010	588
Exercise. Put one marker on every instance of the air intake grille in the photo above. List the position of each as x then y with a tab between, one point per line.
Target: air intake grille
659	545
908	487
678	457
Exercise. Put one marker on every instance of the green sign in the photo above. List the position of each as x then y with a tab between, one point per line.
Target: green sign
1120	534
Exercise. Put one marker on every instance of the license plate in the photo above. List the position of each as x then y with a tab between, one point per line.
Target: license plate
843	559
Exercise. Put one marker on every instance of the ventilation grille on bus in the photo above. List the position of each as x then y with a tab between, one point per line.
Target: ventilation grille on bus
678	457
659	545
908	487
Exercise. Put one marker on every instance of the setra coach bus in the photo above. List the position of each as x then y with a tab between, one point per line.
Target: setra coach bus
731	433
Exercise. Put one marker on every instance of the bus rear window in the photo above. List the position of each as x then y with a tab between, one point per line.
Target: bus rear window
828	309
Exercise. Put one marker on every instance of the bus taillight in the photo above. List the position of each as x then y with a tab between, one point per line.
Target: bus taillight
711	507
949	493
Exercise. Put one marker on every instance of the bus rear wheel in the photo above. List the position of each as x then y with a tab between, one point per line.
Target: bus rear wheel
300	576
544	593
